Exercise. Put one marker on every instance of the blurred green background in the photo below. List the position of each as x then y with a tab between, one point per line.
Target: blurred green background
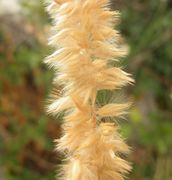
27	133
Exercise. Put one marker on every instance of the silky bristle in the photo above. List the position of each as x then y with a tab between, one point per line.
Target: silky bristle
85	45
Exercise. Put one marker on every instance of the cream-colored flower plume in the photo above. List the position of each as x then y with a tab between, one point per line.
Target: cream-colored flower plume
86	45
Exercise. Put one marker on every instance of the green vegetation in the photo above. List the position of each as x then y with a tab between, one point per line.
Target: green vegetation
26	133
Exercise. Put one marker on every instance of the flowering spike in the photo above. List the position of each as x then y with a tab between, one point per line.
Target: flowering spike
86	44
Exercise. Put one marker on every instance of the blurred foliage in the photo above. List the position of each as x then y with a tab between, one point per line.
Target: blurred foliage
26	133
147	27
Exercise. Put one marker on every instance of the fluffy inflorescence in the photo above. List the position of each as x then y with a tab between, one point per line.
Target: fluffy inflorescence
86	44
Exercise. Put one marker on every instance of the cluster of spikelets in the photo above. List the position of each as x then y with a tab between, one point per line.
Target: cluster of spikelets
86	44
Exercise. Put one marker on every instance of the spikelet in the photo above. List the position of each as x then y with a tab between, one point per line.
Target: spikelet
86	44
